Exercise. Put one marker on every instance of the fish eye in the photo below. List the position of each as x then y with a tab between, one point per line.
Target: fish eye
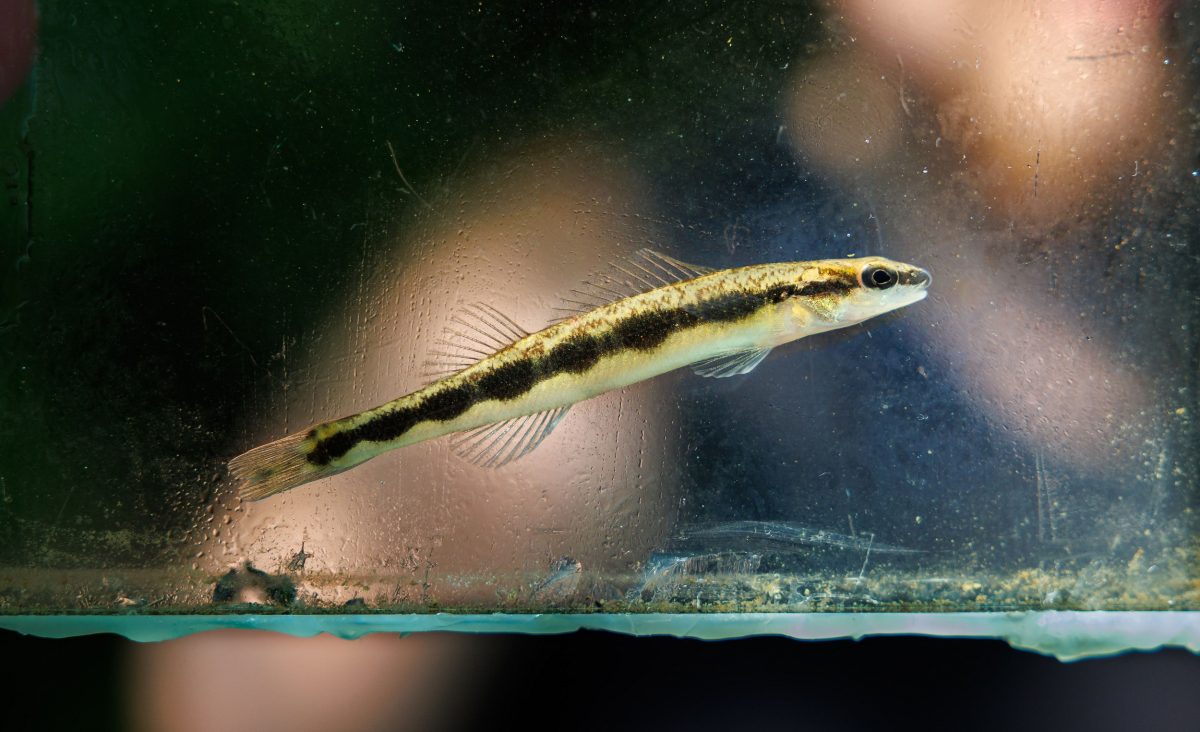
879	278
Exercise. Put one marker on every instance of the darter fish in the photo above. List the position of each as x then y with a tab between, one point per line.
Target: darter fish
509	388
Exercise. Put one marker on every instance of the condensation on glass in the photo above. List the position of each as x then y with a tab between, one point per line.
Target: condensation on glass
222	226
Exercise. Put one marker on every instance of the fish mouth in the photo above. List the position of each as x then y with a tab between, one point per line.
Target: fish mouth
916	277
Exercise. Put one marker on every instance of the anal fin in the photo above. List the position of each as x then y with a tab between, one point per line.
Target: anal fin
500	443
731	364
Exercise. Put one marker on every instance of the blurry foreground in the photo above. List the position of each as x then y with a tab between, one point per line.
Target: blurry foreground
589	681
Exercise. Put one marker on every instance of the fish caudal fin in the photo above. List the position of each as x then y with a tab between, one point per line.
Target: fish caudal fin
276	467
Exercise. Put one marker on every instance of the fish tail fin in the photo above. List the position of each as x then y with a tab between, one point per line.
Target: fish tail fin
276	467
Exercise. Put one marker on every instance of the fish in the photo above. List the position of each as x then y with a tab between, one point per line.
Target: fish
505	390
782	536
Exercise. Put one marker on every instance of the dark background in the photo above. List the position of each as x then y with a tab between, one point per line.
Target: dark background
592	680
173	145
194	184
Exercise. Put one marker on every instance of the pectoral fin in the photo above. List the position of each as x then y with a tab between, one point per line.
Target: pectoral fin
826	308
730	364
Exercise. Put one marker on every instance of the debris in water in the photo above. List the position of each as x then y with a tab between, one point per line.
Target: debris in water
296	563
562	582
779	535
252	585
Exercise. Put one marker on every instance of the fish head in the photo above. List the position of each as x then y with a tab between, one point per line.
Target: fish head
842	292
883	285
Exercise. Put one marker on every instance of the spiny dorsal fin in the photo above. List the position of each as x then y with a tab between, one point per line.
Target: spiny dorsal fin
730	364
494	445
473	333
642	271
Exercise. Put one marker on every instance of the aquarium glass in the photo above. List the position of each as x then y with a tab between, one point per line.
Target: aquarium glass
225	222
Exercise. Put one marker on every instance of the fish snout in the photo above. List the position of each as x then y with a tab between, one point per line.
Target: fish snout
917	277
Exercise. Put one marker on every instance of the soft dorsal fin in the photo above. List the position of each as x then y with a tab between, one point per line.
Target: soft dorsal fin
731	364
494	445
473	333
642	271
673	269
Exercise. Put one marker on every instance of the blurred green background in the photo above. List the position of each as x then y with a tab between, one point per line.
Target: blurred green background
191	184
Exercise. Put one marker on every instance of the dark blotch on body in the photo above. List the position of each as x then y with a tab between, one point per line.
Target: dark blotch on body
332	447
507	381
645	331
447	403
836	286
730	308
573	356
440	406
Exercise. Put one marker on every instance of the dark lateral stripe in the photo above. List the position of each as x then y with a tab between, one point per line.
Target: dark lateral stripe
640	332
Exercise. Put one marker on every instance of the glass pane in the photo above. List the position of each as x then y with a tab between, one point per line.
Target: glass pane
227	223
